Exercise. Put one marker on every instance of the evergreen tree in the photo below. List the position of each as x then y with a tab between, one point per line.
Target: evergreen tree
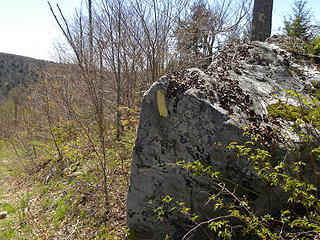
194	34
208	26
298	25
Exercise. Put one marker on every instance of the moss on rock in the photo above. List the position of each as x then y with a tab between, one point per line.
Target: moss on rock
294	113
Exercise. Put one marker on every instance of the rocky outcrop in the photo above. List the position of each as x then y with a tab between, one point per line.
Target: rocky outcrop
184	114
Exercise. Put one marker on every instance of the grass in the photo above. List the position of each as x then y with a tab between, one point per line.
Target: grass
69	204
11	228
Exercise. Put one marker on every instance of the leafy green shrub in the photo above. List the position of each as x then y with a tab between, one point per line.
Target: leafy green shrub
288	225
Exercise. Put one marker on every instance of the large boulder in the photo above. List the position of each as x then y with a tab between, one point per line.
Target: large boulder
184	114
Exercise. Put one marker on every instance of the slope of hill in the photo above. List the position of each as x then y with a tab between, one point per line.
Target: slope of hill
18	70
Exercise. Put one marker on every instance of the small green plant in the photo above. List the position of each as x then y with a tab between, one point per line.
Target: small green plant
7	231
62	208
9	208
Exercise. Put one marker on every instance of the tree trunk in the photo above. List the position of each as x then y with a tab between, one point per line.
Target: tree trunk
262	19
90	33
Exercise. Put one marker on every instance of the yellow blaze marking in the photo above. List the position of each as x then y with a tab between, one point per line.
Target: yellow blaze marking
161	99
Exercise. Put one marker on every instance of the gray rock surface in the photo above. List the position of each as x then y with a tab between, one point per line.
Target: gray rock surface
184	114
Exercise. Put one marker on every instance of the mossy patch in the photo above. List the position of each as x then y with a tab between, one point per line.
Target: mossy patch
294	113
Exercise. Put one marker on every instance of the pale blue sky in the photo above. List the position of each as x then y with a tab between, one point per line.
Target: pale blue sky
28	28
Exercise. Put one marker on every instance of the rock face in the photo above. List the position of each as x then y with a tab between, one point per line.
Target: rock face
184	114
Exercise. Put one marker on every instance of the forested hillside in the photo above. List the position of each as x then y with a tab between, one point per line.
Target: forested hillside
18	71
